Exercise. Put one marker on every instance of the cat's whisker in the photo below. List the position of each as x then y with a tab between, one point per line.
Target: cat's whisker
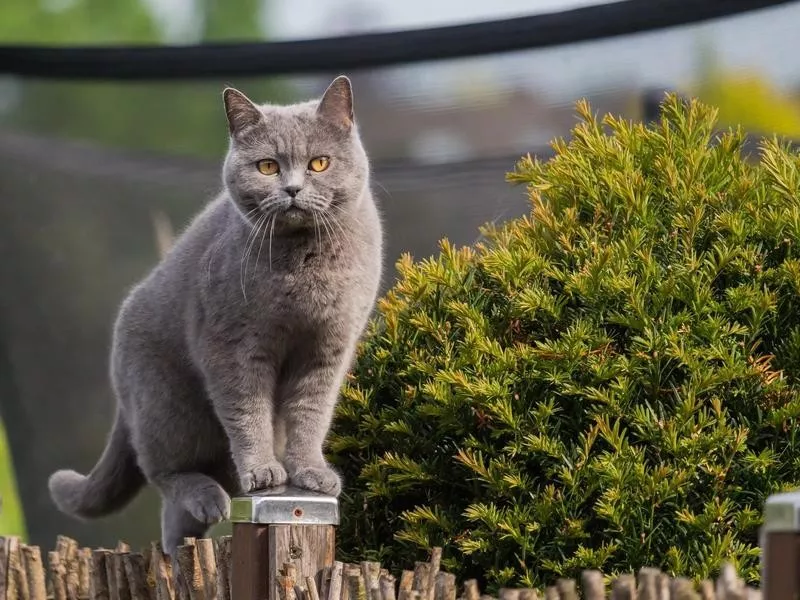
320	214
316	205
250	212
245	253
251	240
313	197
327	228
271	231
317	232
335	221
213	254
324	209
247	243
340	210
268	203
335	235
383	187
251	232
352	224
261	243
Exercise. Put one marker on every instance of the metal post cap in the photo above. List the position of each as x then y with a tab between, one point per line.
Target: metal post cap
782	512
285	505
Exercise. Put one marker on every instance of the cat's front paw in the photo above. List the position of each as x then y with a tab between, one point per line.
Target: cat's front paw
271	474
317	479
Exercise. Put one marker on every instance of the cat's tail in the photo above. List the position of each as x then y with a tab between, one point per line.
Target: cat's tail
112	483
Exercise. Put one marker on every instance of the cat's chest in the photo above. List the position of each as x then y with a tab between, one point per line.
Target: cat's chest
311	287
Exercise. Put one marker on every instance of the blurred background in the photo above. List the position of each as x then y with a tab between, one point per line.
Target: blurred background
96	177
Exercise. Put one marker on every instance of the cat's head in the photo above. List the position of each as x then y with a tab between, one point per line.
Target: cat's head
294	162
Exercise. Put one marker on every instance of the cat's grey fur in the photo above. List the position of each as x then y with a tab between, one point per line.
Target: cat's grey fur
228	357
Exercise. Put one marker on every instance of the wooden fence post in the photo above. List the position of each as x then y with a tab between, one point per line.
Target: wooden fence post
278	526
780	547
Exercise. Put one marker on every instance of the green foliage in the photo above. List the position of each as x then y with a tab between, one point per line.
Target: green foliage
11	518
609	382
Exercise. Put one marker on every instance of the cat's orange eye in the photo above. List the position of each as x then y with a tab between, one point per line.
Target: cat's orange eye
268	167
319	164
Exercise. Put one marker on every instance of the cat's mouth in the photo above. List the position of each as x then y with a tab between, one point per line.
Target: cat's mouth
295	211
295	214
289	211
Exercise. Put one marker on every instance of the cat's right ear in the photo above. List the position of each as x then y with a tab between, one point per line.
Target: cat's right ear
240	110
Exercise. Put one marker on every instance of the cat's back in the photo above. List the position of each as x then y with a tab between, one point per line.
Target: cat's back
373	236
158	303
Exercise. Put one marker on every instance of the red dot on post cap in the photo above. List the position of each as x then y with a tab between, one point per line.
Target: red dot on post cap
298	512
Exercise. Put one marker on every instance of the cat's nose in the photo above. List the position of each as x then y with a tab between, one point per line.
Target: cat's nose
292	190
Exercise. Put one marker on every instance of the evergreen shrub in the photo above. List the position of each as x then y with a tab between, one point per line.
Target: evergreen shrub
608	382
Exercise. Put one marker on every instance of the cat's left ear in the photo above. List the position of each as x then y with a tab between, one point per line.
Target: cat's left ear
240	110
337	103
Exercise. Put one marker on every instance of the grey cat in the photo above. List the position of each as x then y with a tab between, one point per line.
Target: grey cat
228	357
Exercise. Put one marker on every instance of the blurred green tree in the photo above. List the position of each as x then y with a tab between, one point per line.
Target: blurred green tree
182	117
76	22
746	98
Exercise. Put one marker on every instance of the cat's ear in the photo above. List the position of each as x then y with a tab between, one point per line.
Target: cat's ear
337	103
240	110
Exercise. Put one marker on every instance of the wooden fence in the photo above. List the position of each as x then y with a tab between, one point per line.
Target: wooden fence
203	572
283	548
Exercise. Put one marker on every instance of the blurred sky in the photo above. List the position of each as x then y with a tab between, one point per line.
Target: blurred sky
281	16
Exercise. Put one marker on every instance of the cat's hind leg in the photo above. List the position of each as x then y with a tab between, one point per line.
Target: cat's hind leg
177	439
178	523
198	495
